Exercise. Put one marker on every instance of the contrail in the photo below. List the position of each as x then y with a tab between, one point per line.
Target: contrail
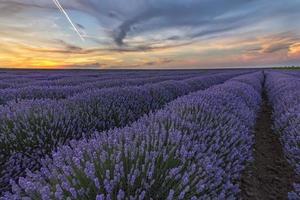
68	18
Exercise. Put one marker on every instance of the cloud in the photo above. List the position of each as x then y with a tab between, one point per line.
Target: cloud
62	47
82	66
153	64
80	26
276	47
294	50
276	43
207	15
168	29
200	18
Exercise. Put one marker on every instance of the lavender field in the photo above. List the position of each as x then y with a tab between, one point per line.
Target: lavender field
152	134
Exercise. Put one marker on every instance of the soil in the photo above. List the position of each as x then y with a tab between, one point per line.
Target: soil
270	176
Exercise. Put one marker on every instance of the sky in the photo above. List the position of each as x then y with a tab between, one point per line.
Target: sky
143	34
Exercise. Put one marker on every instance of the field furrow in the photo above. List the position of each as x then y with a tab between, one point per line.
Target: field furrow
269	176
284	95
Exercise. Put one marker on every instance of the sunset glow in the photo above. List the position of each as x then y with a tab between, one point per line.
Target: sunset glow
149	34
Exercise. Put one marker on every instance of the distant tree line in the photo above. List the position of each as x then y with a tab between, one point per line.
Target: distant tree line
288	67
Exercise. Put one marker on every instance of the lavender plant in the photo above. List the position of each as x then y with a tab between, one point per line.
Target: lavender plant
284	95
31	129
50	91
194	148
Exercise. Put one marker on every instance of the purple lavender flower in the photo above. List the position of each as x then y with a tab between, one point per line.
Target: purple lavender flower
195	147
31	129
284	95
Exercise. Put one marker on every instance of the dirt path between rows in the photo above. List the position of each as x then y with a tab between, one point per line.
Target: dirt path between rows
270	176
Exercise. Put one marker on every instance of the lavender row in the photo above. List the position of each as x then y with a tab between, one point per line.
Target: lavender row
32	129
295	73
58	92
284	95
195	148
71	78
90	78
68	78
62	79
123	75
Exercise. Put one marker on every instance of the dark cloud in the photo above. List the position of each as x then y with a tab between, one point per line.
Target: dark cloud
59	46
151	64
113	14
280	42
175	37
147	48
84	66
273	43
159	62
80	26
23	5
201	18
68	46
276	47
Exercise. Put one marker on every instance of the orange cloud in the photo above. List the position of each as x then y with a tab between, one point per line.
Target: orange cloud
294	50
216	52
